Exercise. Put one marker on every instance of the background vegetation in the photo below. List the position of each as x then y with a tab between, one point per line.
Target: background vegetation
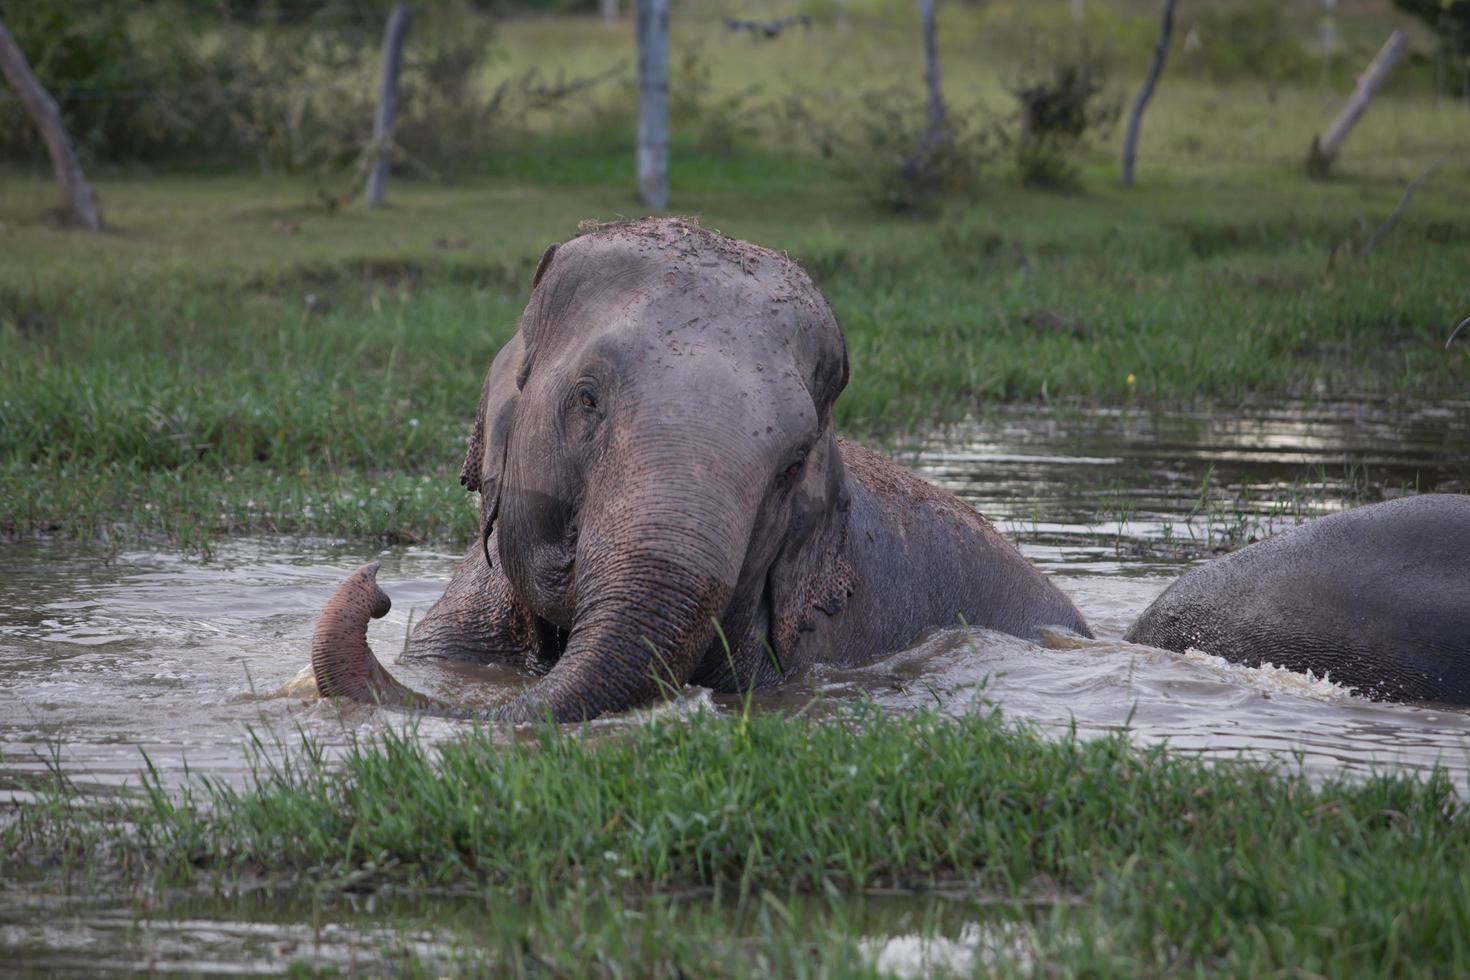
249	349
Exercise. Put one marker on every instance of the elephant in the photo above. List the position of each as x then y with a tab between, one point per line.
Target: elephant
664	499
1377	598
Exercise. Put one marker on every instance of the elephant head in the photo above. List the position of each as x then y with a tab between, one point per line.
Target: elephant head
655	456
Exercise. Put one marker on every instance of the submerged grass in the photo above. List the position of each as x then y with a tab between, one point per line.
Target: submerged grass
1138	859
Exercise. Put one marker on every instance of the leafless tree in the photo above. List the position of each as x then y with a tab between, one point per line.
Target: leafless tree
80	200
935	131
1325	148
653	102
1135	118
393	35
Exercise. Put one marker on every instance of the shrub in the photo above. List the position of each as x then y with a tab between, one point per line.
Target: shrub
1247	40
718	123
1450	21
187	83
1061	108
878	138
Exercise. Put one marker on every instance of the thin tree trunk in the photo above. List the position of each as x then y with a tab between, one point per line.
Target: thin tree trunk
931	73
1456	332
393	34
1325	148
80	200
934	130
1403	205
1329	40
1135	118
609	9
653	102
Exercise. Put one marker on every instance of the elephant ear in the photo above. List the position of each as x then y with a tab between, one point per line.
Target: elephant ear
544	264
484	460
812	577
824	352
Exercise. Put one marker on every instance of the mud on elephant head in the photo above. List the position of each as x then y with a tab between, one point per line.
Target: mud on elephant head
663	498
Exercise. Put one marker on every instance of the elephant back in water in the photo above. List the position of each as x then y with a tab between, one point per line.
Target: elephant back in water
1377	598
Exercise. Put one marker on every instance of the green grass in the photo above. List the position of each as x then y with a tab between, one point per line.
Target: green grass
1137	860
232	357
229	355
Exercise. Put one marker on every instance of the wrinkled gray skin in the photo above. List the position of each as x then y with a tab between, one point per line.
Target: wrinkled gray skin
1377	598
655	455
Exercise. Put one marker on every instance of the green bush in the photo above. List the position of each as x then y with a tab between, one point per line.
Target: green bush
1247	40
189	83
85	56
1450	21
1063	106
718	123
877	137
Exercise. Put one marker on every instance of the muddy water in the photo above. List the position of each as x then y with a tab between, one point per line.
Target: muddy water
261	934
102	659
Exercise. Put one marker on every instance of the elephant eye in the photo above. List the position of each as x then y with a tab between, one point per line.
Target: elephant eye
791	472
586	396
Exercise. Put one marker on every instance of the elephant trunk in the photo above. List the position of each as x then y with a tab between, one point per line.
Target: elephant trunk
655	569
656	566
343	663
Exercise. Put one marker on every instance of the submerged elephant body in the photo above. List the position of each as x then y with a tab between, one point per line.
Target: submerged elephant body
664	500
879	591
1377	598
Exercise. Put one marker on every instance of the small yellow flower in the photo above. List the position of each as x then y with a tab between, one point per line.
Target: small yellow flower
1132	379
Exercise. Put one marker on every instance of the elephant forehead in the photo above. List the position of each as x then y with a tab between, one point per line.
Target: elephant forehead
671	244
671	276
698	310
706	361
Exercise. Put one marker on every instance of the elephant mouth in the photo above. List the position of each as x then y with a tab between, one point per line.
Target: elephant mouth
551	643
548	585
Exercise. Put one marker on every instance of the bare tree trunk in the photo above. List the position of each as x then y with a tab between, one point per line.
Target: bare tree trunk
80	200
1325	148
1403	205
1329	39
653	102
1135	118
609	9
931	73
393	35
934	131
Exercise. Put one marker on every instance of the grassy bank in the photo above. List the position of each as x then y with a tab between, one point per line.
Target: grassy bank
1102	858
231	359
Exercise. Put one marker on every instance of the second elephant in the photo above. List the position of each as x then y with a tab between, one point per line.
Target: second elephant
1376	598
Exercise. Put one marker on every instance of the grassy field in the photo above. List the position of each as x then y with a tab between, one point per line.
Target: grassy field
232	356
687	846
230	359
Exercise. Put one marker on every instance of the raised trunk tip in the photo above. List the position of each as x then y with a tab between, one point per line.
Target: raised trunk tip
341	659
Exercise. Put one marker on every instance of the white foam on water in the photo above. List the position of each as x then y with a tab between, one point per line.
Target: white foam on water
988	945
1270	678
